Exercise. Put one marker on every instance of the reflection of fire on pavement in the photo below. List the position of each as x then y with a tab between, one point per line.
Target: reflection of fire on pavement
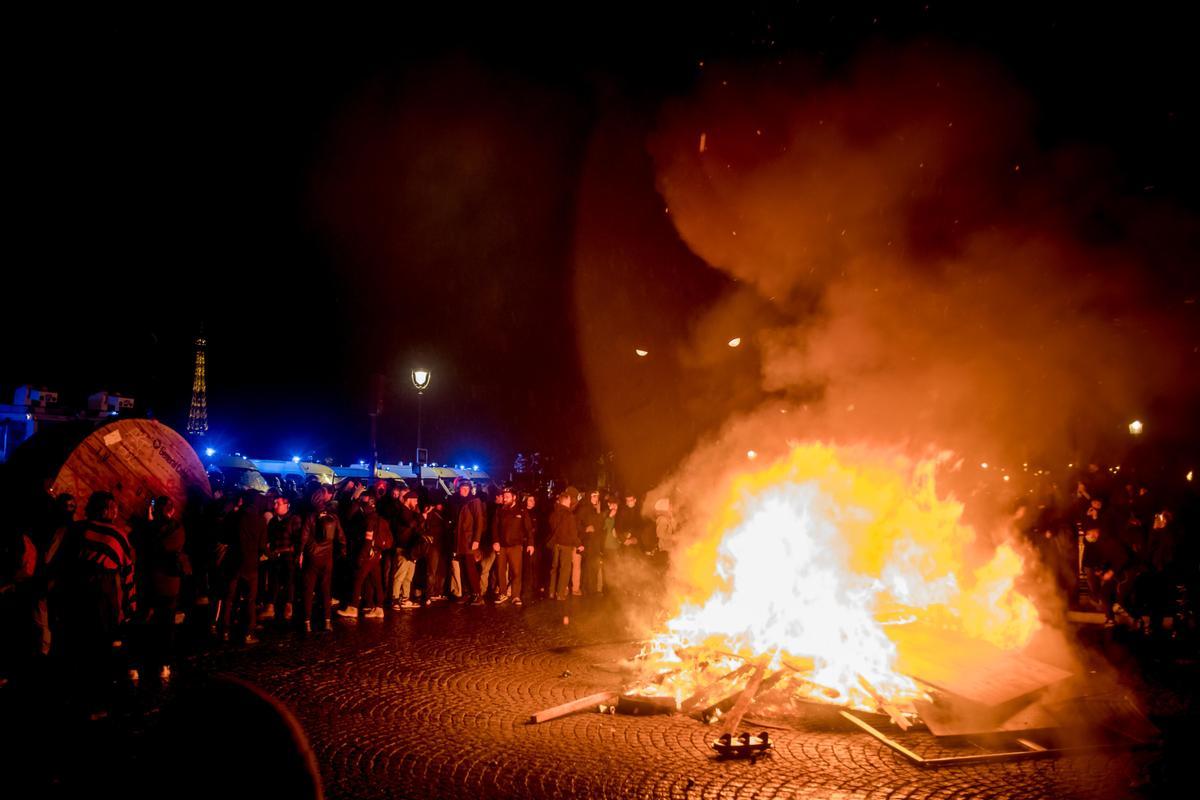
833	584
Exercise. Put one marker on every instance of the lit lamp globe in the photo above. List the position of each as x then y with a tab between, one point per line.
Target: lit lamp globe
420	379
1135	428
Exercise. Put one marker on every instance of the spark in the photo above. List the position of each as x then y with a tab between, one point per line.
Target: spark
735	341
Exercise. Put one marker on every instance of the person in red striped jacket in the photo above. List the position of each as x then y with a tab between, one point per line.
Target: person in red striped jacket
100	595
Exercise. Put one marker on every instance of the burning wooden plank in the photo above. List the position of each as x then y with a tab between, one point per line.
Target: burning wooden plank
704	692
712	712
893	713
583	703
746	697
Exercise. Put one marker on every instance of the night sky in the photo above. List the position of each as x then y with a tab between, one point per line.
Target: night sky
332	196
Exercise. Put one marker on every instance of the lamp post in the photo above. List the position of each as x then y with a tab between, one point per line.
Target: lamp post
420	380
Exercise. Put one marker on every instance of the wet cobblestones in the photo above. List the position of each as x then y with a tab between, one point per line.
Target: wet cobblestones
434	703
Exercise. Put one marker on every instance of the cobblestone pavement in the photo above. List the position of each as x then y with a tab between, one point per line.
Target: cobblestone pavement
434	703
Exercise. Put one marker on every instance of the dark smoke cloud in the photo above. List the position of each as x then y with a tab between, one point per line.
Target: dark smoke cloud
943	278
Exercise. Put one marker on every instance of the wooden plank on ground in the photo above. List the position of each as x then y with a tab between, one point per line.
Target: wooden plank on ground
591	701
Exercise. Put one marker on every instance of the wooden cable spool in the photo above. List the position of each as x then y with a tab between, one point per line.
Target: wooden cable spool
134	459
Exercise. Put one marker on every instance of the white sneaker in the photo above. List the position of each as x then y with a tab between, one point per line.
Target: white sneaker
374	613
348	611
502	599
409	604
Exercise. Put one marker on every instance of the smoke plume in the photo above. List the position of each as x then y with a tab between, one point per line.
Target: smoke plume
940	282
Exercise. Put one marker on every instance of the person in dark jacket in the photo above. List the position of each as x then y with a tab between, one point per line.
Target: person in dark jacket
372	536
166	565
1163	573
537	562
248	529
487	545
470	520
283	549
49	551
1106	563
564	540
320	536
410	546
438	549
590	517
512	538
389	507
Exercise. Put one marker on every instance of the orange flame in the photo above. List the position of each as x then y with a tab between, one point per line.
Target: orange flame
812	556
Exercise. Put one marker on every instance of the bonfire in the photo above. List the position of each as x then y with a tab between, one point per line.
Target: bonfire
810	578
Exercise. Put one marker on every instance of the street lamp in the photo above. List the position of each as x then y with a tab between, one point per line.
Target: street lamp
420	380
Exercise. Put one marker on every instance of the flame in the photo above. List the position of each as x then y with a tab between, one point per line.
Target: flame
810	558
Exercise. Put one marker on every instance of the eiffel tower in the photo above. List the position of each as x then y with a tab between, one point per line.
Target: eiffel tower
197	424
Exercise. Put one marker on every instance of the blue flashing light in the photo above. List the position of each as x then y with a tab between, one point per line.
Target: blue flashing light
475	467
295	459
210	452
362	461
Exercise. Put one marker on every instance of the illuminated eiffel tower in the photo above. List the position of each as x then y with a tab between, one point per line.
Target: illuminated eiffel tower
197	424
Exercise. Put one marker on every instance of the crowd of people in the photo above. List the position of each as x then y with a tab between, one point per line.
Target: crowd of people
1126	549
90	596
238	562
